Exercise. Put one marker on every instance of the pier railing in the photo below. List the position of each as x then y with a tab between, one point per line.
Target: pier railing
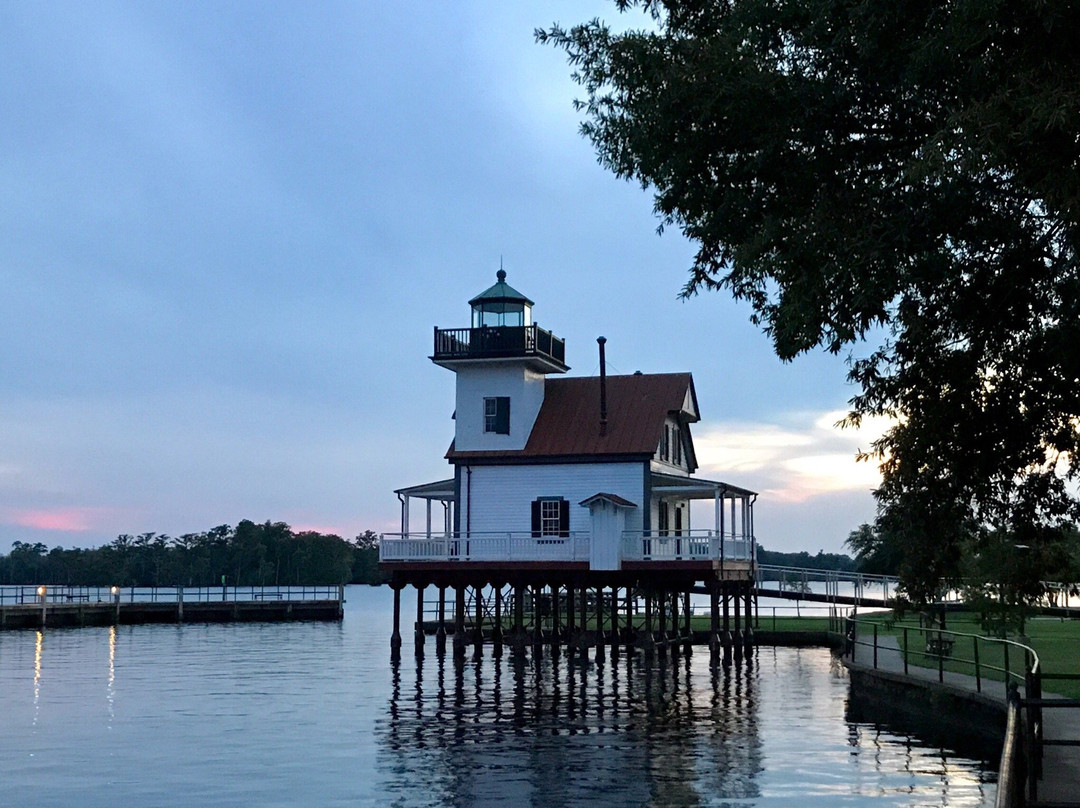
801	580
51	594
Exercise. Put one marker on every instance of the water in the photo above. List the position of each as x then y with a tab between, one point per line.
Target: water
313	714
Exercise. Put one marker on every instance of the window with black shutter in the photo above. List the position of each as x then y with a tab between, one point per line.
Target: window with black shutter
550	518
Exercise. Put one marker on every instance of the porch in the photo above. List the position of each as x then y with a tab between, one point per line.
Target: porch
525	547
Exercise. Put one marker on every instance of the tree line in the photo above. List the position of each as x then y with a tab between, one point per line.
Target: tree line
250	554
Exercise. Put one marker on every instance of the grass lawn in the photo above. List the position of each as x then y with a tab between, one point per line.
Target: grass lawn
1056	641
701	623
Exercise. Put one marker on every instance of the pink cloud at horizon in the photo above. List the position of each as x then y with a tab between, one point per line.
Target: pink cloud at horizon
66	520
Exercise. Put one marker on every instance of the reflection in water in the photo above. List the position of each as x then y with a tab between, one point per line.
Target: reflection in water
109	687
37	674
563	730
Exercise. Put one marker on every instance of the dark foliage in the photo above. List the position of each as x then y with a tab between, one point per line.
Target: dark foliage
821	561
901	173
248	555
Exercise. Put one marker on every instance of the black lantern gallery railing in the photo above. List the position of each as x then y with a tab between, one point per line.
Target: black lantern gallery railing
496	342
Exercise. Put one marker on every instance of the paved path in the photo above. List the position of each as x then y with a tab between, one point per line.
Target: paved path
1061	764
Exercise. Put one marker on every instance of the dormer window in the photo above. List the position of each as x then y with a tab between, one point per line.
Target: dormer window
497	415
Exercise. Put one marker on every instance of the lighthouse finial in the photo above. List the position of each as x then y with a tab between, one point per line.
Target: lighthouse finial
500	276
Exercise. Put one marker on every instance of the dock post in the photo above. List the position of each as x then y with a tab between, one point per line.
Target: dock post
395	637
459	622
179	604
116	605
518	640
688	629
43	594
736	603
583	637
496	630
599	623
748	637
478	629
714	622
614	620
537	620
440	632
662	603
647	638
418	637
556	619
568	633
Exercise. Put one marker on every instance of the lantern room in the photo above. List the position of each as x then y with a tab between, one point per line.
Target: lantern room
501	305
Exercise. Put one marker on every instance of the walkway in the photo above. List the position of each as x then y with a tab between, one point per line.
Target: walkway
1061	764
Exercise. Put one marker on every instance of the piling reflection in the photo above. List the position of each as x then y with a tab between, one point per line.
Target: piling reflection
563	730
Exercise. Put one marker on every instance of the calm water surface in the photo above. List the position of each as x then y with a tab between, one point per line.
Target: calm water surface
313	714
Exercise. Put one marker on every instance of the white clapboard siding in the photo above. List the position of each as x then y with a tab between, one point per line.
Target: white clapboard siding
502	495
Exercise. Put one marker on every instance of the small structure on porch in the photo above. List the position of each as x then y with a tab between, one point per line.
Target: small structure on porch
566	492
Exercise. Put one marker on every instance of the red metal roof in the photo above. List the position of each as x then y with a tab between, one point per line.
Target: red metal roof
569	420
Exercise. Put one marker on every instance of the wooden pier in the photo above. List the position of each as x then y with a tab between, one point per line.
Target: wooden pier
60	606
553	607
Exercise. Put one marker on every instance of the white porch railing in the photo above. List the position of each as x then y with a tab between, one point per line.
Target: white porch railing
510	546
689	545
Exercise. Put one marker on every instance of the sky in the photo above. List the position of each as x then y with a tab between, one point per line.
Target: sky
227	231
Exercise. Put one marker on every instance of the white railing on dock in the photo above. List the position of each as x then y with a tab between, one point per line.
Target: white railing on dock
509	546
56	594
687	545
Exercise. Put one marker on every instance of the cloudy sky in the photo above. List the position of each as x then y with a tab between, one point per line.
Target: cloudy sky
228	229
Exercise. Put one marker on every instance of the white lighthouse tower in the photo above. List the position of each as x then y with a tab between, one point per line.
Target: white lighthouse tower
500	361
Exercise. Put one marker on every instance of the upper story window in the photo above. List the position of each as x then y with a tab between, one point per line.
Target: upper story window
671	445
497	415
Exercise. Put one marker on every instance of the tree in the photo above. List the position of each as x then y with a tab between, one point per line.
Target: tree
899	177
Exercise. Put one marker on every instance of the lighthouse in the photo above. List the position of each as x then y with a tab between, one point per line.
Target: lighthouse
564	484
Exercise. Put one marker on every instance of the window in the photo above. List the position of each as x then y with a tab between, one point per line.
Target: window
664	443
550	517
662	519
676	440
497	415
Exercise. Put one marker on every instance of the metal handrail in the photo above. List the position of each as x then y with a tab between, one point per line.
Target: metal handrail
937	647
52	594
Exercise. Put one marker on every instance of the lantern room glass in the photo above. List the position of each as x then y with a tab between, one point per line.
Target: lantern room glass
498	313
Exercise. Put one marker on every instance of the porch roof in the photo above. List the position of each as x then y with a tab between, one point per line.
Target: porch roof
441	489
694	487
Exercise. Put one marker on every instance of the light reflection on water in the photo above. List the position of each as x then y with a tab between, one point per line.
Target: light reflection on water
313	714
